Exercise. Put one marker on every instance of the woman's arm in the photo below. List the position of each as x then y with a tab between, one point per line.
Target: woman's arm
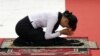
50	25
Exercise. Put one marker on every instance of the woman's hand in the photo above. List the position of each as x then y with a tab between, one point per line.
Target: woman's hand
67	31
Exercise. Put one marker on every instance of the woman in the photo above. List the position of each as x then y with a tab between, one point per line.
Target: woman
30	29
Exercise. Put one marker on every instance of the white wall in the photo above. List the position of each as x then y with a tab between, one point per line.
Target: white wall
11	11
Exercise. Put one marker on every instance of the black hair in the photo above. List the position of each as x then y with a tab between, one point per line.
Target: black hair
72	19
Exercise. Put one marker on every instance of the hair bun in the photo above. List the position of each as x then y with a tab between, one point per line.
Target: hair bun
67	13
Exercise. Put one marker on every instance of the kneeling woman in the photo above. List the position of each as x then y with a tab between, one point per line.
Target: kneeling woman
30	29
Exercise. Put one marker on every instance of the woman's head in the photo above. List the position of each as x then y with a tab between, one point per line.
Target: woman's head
69	20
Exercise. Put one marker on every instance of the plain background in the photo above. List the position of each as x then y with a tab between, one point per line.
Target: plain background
88	13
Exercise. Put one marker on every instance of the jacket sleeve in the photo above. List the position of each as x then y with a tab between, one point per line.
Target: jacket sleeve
50	25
